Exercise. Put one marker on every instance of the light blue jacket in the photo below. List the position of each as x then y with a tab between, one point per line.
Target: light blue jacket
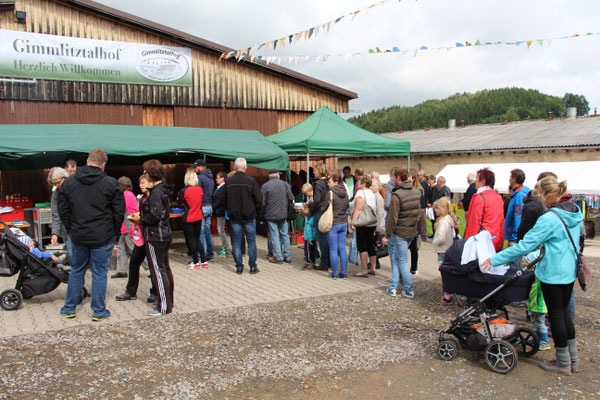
558	265
513	214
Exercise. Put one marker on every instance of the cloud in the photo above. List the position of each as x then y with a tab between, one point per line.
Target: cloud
395	79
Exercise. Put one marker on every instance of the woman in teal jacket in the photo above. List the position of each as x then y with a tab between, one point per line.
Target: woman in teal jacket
556	271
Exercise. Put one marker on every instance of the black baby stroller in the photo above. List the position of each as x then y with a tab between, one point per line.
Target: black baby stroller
479	326
36	276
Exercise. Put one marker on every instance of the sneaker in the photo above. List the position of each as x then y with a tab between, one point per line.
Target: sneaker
193	265
270	257
210	259
333	276
254	270
343	276
544	346
204	265
68	316
222	252
308	266
125	296
410	295
391	292
226	253
288	261
119	275
152	299
415	273
443	301
154	313
275	261
105	316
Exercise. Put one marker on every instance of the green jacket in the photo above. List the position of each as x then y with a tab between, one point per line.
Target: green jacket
536	302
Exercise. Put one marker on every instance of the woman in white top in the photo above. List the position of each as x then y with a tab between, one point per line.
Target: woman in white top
365	235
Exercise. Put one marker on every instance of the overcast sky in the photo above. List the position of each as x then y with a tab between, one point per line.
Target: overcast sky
383	80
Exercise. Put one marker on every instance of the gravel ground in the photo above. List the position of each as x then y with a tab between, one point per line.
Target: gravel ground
358	345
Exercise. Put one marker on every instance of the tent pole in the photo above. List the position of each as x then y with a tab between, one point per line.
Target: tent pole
307	168
408	158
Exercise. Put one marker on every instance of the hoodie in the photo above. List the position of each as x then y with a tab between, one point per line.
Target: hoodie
558	265
155	214
91	206
207	182
513	214
340	204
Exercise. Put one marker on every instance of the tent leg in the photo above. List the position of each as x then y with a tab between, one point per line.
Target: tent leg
307	168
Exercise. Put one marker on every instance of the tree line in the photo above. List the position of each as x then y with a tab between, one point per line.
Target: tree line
483	107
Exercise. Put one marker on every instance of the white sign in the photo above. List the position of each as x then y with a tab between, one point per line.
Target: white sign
35	55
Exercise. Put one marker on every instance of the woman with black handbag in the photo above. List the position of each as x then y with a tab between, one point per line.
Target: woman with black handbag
364	220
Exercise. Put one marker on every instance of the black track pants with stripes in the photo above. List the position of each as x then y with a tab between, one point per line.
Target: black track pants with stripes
157	254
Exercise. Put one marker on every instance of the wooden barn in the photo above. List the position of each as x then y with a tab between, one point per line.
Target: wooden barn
213	93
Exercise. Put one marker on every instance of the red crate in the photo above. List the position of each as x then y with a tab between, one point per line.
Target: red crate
16	215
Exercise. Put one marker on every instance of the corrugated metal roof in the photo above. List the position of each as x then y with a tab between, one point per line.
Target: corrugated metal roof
176	34
556	134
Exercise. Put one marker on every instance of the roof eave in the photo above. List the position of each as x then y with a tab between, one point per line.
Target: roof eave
217	48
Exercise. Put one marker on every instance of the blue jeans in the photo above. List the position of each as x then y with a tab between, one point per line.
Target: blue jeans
249	229
336	239
205	234
399	259
538	320
279	236
98	259
353	252
571	306
323	245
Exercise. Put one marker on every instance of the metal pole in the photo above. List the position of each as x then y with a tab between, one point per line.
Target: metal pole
408	162
307	168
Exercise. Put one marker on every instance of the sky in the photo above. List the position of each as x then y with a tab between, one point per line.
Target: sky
396	79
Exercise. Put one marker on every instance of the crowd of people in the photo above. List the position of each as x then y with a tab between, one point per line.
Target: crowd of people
92	211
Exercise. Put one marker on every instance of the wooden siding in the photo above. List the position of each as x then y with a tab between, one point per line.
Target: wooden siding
40	112
215	83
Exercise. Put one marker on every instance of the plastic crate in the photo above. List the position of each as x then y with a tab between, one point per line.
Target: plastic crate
43	215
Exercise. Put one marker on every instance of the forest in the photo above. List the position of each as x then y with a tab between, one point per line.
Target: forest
482	107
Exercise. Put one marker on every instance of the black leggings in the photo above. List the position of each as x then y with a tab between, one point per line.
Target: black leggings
414	255
557	301
191	231
137	258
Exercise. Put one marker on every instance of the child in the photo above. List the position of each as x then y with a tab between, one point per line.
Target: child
444	235
310	232
536	307
26	240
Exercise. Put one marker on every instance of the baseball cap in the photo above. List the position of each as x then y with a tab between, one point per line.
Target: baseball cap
199	163
273	171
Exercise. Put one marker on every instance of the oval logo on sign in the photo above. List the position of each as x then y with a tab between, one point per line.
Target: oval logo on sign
162	65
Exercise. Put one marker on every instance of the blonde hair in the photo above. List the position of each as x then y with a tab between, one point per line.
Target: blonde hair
549	185
190	179
321	170
444	205
306	187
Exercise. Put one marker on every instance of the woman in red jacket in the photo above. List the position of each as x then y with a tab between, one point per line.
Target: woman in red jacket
486	211
190	197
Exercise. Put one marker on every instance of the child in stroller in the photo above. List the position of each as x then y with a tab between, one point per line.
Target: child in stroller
479	326
39	272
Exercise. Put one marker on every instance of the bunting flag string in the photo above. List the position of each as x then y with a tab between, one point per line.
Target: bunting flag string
304	35
396	50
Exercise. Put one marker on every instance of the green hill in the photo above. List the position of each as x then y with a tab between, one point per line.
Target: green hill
485	106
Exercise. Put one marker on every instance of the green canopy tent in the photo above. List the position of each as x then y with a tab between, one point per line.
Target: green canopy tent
325	132
43	146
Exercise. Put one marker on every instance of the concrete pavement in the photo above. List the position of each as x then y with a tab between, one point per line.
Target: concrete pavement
201	290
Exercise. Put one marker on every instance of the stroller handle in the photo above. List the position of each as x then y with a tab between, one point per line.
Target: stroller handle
539	258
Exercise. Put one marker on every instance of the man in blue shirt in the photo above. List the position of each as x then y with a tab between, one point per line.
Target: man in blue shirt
513	214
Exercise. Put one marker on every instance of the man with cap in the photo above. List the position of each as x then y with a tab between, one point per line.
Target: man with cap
207	182
277	195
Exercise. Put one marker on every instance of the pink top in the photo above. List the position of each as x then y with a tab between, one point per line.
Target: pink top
131	206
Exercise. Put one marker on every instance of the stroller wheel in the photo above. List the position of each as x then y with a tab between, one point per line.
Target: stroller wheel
11	299
525	341
447	349
83	295
501	356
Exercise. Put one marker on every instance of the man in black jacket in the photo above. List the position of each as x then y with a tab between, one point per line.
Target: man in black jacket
92	207
243	201
424	199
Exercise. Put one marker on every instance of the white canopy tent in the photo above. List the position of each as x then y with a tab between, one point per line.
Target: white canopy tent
581	176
